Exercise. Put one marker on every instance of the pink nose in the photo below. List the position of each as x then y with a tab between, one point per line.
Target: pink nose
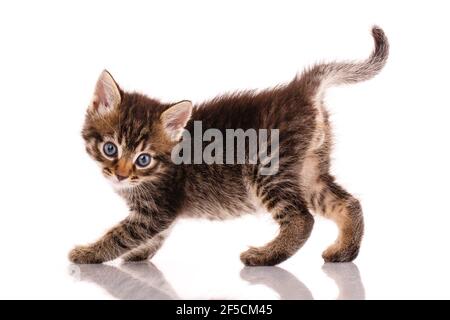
120	178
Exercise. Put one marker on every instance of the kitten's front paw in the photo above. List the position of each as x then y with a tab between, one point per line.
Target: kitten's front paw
84	255
251	257
136	257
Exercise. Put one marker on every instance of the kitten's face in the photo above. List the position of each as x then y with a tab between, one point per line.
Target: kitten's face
129	135
124	164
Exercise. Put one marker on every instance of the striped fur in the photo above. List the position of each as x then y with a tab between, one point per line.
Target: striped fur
160	193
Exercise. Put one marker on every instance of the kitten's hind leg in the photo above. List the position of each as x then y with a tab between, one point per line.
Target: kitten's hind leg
282	197
147	250
333	202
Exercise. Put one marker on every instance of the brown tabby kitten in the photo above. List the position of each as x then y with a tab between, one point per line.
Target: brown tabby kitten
131	136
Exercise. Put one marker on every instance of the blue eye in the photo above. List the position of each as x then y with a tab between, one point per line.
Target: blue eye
110	149
143	160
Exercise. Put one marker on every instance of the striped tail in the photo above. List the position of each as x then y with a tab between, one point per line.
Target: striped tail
315	80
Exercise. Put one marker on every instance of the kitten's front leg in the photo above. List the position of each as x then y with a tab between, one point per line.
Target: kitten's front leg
127	235
84	254
147	250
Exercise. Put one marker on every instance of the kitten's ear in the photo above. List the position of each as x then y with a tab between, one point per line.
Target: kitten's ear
175	119
106	95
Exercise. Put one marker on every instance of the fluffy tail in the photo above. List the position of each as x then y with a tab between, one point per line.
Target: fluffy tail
315	80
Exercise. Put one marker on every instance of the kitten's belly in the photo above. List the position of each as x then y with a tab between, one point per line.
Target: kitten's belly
220	207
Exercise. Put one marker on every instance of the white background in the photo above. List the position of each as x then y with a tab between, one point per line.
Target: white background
391	143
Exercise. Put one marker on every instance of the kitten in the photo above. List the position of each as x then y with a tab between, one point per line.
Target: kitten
132	137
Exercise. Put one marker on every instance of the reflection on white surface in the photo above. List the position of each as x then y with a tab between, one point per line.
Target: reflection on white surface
284	283
348	280
144	281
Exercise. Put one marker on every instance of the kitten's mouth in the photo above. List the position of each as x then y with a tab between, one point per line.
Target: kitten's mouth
122	185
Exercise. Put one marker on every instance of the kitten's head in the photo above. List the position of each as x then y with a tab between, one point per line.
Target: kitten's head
130	135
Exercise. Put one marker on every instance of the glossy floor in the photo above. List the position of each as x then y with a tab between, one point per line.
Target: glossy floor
145	281
200	260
